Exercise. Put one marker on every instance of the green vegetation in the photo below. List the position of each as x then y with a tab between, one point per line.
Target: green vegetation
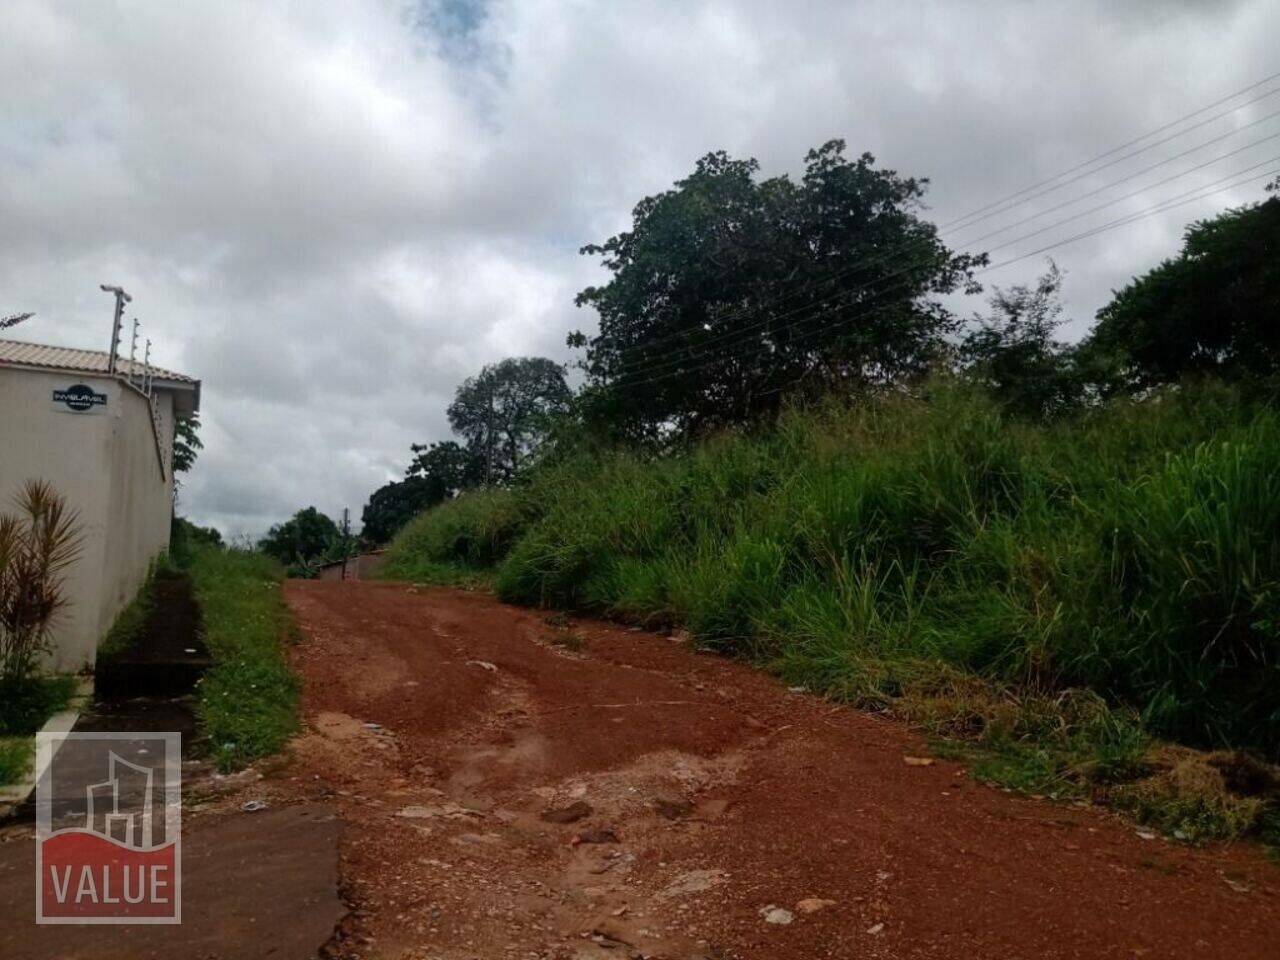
1053	596
730	294
505	413
460	539
307	541
186	442
130	623
39	540
249	698
1055	558
15	758
25	704
1209	310
184	536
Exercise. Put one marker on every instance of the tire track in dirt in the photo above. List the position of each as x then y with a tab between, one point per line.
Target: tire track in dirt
513	787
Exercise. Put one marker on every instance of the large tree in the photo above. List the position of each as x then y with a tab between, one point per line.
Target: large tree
449	466
394	504
1215	308
730	292
304	541
506	411
439	472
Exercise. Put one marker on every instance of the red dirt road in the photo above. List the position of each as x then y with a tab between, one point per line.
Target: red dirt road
775	805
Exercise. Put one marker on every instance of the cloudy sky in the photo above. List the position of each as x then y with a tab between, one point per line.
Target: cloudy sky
332	211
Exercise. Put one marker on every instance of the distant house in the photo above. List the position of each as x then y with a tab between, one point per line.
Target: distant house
105	442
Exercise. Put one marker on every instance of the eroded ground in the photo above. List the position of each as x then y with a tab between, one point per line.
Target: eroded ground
512	786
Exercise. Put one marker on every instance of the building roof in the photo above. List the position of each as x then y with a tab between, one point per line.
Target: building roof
83	361
185	390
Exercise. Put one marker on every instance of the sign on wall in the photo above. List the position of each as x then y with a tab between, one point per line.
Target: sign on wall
79	398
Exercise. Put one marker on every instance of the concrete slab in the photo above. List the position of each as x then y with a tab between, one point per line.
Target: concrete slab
254	885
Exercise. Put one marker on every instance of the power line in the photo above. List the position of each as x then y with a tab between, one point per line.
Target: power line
1147	169
679	334
1200	194
1136	140
729	336
1142	190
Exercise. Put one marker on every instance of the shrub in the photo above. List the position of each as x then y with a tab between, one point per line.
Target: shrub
37	544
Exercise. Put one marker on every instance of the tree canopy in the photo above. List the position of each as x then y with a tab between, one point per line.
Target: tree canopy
1212	309
393	505
505	413
186	442
439	471
1014	353
448	466
730	292
304	541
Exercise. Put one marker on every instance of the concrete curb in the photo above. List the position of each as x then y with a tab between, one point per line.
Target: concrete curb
15	794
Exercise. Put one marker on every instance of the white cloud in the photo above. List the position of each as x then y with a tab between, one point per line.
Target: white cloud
333	212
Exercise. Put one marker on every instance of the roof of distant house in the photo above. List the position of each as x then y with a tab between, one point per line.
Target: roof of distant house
85	361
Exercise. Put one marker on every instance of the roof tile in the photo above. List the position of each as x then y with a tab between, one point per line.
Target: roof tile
68	358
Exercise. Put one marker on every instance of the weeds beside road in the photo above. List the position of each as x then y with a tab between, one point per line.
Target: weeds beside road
25	704
248	701
1049	600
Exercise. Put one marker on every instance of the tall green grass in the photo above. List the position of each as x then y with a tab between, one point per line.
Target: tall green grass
457	539
865	549
248	700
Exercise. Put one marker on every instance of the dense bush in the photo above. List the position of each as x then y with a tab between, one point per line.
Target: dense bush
865	549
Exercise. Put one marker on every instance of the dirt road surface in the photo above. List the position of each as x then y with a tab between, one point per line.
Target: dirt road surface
518	788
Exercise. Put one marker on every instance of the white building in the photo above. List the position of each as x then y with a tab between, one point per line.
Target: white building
107	446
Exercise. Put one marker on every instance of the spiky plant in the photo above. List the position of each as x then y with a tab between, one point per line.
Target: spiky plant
37	545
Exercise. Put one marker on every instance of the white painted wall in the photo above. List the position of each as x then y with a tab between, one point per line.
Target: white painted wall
106	464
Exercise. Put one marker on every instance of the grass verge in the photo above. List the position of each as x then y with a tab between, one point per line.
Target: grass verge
15	758
26	704
24	707
437	574
248	700
1052	601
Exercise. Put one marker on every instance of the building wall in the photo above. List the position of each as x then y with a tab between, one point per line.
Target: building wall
141	499
105	464
364	566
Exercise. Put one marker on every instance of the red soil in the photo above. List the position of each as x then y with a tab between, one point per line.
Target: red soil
488	718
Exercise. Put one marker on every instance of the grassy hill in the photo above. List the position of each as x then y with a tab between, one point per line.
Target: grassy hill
1051	596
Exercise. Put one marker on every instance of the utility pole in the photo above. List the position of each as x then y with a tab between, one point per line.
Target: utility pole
121	299
346	538
146	370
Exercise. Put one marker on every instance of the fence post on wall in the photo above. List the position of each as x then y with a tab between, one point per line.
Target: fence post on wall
121	299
